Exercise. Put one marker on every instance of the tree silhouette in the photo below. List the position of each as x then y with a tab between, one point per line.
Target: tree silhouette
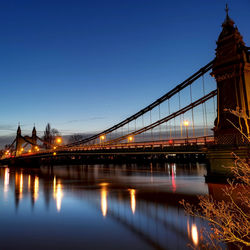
49	136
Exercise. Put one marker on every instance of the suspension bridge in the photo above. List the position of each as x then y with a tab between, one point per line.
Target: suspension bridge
210	109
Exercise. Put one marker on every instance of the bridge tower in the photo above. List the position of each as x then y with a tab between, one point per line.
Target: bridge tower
19	140
33	139
231	70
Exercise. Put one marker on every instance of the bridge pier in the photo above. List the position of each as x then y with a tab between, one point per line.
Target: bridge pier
231	69
221	159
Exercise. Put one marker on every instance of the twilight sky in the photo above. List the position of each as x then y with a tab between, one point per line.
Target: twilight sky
85	65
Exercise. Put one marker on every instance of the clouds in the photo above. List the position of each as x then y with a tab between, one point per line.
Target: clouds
8	127
6	139
95	118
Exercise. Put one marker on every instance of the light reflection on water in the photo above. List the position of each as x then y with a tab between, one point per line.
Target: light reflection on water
111	206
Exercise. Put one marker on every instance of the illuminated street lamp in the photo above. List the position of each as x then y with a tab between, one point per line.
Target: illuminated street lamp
186	124
59	140
102	138
130	138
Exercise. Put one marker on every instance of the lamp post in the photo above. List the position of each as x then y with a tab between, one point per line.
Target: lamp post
102	138
186	123
130	138
59	140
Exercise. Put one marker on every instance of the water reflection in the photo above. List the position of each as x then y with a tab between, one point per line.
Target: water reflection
104	201
21	186
29	182
132	200
6	180
58	196
173	173
142	201
195	236
36	188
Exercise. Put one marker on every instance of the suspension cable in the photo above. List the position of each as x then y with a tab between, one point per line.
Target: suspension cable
169	94
167	118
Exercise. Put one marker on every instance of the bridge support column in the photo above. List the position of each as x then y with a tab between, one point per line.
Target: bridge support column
231	70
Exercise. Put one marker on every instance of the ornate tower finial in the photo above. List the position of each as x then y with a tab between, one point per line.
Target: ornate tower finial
227	9
228	21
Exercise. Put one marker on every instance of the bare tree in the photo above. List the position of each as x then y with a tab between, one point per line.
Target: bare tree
49	136
229	218
75	138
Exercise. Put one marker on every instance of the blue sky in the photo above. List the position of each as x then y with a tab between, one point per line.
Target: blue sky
85	65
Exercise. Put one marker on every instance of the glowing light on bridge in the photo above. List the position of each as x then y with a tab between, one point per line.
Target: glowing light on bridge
194	234
130	138
59	140
132	200
104	200
7	153
54	153
186	124
102	138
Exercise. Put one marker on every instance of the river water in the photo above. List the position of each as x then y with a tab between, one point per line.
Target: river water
100	206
